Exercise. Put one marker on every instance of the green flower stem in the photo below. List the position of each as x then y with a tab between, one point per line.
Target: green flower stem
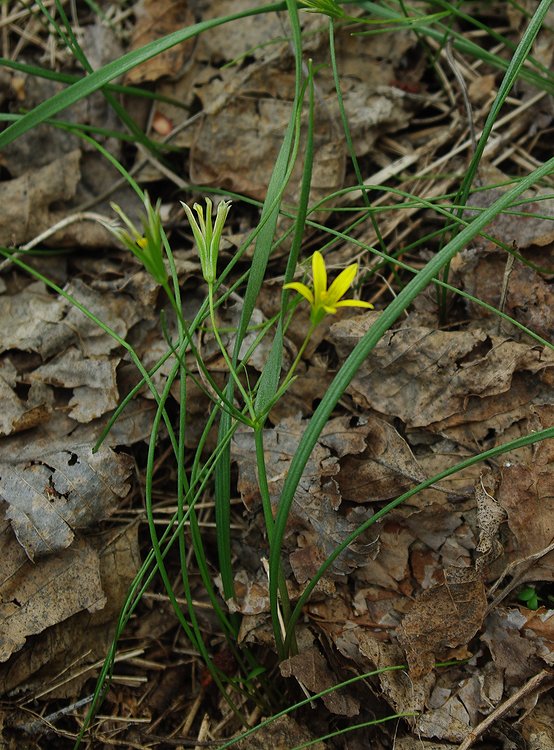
286	382
247	400
269	523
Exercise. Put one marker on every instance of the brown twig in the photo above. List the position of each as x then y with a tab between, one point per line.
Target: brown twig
530	686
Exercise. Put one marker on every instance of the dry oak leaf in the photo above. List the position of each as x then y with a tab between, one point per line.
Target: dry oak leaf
442	618
70	636
48	499
315	515
25	201
311	670
35	596
426	376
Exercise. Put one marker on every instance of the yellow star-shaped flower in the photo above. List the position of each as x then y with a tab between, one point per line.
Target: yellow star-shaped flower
325	301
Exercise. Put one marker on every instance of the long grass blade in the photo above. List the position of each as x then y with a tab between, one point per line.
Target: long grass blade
362	350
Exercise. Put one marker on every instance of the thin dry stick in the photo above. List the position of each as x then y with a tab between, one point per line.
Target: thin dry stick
81	216
525	563
463	89
530	687
504	293
204	732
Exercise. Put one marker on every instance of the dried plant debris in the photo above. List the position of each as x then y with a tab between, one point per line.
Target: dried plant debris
311	670
442	618
315	522
523	259
436	578
251	104
69	603
461	384
51	497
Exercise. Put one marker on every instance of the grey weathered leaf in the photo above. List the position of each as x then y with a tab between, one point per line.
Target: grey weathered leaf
65	490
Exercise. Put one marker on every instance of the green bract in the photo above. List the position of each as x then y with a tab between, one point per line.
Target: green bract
207	236
327	7
147	245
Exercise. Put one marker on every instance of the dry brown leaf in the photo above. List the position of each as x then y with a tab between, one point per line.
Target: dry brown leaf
155	19
434	524
281	734
442	379
255	104
385	469
416	743
19	414
252	595
447	717
36	596
25	201
525	493
479	268
59	432
490	515
514	653
35	321
48	499
304	393
442	618
314	514
257	126
511	227
404	694
541	623
311	670
93	381
537	727
54	659
390	569
31	320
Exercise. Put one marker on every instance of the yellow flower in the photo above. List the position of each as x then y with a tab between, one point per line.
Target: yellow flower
325	301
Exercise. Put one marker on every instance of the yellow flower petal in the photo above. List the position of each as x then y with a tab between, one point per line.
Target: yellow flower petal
320	275
301	289
353	303
341	284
